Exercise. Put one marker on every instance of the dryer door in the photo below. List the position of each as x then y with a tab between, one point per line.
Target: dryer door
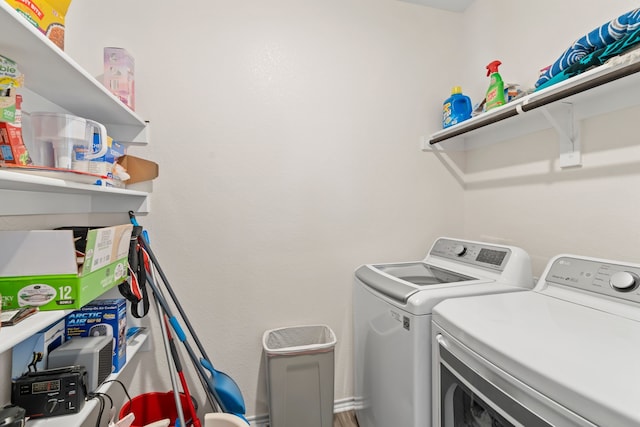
470	391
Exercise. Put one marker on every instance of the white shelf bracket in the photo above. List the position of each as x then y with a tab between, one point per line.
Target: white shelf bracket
568	130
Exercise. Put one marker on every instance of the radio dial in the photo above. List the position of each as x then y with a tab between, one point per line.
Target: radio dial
459	250
624	281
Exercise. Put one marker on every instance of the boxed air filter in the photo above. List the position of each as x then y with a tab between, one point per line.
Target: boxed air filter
102	317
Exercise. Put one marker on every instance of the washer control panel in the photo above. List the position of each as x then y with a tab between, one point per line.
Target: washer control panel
477	254
606	278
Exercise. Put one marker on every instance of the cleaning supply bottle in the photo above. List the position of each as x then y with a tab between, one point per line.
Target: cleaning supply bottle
495	93
455	109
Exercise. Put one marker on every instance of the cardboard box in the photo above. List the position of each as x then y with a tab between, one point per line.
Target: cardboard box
7	104
10	79
12	148
138	169
119	74
39	267
115	150
40	345
46	15
104	165
102	317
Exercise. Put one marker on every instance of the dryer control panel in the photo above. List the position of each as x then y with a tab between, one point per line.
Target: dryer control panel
598	276
477	254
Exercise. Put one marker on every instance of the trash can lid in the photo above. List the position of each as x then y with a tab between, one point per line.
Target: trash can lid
299	339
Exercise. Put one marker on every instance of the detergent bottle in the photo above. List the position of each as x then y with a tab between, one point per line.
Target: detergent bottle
495	93
455	109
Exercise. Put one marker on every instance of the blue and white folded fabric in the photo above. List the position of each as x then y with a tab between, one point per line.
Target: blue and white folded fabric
595	40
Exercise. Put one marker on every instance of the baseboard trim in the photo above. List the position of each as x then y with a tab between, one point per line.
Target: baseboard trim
259	420
341	405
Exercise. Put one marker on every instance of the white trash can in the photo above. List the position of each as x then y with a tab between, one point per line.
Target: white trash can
300	375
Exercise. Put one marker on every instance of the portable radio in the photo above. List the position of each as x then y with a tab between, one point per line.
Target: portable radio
51	392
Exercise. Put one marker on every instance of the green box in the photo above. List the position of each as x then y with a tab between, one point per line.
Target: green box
10	79
39	267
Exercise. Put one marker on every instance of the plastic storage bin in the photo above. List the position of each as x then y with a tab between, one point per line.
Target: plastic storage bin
155	406
300	375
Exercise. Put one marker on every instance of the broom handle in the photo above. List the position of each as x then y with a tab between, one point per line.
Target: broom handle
212	394
172	368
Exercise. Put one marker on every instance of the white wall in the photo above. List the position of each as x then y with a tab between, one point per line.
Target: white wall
515	192
526	36
287	134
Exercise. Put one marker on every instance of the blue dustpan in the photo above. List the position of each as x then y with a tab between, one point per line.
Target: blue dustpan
228	392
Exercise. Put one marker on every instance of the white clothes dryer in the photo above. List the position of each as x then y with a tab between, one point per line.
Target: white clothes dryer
392	305
563	354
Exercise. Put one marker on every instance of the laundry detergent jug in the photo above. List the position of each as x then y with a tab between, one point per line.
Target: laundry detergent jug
456	109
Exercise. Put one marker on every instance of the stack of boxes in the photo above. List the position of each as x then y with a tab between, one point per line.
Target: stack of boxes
101	317
12	148
105	164
41	268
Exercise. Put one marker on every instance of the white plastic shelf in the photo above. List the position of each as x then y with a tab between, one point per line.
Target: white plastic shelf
53	75
24	194
12	335
55	82
91	406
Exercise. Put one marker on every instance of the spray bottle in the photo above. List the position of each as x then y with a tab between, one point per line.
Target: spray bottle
495	93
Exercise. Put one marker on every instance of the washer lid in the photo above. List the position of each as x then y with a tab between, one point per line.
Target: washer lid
400	281
582	358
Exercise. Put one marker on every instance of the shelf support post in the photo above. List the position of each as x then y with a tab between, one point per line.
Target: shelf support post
568	130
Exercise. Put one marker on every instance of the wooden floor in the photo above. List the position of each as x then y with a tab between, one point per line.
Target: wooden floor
345	419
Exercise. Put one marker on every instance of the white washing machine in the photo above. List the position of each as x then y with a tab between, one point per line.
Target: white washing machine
564	354
392	306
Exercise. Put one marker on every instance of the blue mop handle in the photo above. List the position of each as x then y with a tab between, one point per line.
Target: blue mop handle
177	328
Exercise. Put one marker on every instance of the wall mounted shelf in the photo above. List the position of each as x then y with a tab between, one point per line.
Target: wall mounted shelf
24	194
91	407
604	89
52	74
55	82
12	335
